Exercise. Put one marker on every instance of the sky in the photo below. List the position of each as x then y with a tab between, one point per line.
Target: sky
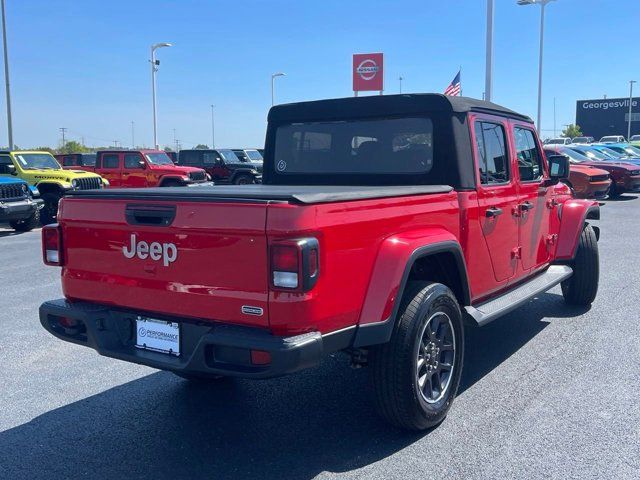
83	65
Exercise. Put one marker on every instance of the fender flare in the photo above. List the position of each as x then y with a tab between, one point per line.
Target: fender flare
171	178
573	215
377	332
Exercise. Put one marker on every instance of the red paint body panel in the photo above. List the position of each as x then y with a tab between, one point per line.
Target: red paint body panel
221	262
573	215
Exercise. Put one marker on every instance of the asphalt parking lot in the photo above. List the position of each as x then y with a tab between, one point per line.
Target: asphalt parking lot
548	391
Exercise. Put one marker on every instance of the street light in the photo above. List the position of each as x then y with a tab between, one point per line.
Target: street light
273	77
631	82
542	4
154	69
213	131
6	77
488	78
400	80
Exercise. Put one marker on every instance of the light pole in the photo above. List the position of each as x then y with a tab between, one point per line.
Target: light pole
133	137
488	80
542	4
6	77
631	82
400	80
273	77
154	69
213	129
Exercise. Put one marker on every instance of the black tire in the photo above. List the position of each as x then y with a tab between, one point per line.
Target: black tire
27	224
613	190
200	378
581	288
399	398
243	180
49	212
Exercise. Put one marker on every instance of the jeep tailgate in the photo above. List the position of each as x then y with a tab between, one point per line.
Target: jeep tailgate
207	262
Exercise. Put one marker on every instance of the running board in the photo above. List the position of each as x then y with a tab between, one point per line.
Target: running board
511	300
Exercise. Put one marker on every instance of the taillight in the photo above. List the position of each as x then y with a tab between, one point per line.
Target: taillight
52	244
295	264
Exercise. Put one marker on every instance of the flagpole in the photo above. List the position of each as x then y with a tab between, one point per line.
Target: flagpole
460	78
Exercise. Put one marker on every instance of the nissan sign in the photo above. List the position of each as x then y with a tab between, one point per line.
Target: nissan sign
368	74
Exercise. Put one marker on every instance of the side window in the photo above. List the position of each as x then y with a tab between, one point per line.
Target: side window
68	161
492	153
529	158
5	161
190	158
132	161
110	160
209	158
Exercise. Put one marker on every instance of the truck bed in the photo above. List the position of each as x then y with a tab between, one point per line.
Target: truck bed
304	194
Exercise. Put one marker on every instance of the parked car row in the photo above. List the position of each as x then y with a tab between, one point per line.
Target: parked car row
635	139
598	170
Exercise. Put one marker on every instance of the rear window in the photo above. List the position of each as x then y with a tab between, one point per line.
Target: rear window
378	146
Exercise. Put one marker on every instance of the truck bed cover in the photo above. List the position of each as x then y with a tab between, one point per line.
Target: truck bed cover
305	194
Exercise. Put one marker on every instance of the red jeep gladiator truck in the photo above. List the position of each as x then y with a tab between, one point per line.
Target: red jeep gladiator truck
135	168
384	226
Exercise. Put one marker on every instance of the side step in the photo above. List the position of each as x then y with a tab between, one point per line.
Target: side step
511	300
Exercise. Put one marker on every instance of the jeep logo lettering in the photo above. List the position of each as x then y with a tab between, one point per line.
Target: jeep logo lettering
168	252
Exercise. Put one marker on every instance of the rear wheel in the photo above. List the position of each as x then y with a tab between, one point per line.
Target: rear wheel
243	180
49	212
27	224
416	374
581	288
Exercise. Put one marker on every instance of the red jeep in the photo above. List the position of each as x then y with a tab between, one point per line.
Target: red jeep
136	168
384	224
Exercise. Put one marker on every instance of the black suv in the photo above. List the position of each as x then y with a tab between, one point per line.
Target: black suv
223	165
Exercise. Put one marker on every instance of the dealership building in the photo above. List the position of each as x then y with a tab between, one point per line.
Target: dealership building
608	116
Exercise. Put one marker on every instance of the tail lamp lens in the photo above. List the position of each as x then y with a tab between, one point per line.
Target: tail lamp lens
52	245
285	265
295	264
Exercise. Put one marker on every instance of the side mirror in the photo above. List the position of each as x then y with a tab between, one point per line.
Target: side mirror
11	169
558	167
142	164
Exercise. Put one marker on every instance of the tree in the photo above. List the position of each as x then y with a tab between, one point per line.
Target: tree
168	149
571	131
73	147
45	149
201	146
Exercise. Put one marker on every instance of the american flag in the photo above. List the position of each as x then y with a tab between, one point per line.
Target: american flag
454	87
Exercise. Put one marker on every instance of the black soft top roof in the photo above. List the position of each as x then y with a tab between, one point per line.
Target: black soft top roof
385	105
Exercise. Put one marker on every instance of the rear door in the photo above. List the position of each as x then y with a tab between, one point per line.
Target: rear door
108	166
497	194
534	197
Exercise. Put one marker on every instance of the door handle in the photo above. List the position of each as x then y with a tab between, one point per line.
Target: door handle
526	206
493	212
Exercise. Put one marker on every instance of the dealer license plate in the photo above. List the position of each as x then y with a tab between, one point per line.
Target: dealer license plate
158	335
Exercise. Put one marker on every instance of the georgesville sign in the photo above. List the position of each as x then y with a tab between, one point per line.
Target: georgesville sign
608	116
368	73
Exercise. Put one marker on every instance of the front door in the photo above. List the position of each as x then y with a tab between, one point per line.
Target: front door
497	195
534	198
134	173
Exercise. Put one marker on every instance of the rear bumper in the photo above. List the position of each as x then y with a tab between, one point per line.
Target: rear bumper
20	210
205	348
